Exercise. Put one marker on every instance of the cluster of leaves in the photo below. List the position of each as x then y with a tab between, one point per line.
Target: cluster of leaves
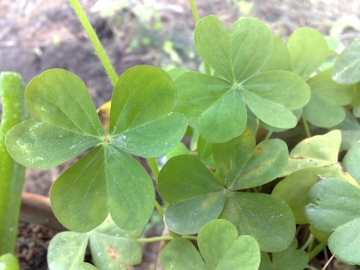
257	80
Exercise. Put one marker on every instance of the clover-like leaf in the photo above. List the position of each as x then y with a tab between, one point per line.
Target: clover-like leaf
181	254
210	102
351	161
141	118
205	152
334	206
106	179
196	195
110	247
324	108
222	248
288	259
295	187
315	151
66	125
266	218
244	165
347	66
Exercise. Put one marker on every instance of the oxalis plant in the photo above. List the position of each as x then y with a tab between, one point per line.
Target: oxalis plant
232	198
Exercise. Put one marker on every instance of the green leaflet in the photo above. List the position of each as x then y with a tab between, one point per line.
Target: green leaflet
347	66
107	178
315	151
110	246
334	206
216	105
288	259
266	218
220	246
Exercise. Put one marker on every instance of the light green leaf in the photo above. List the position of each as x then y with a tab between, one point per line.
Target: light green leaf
233	55
108	252
40	145
9	262
179	149
308	50
60	98
105	179
347	66
356	101
181	254
269	97
324	108
351	161
66	250
266	218
334	206
66	125
315	151
221	247
141	118
295	187
196	195
84	266
242	165
288	259
280	58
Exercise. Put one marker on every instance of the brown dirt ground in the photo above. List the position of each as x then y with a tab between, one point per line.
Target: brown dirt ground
36	35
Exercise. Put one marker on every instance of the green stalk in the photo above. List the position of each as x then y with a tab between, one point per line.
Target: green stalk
154	168
312	254
196	19
12	174
99	49
306	127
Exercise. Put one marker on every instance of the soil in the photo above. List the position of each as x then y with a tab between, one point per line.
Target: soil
36	35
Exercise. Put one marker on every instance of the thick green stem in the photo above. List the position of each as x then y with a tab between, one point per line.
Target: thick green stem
99	49
312	254
159	208
306	127
12	174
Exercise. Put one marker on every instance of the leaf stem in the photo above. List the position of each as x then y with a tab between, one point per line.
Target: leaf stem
99	49
268	135
308	241
312	254
154	168
306	127
159	208
163	238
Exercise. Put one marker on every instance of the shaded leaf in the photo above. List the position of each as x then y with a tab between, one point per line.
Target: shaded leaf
351	161
205	152
179	149
266	218
181	254
280	58
288	259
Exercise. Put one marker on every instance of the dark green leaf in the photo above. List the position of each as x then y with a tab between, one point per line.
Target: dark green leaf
288	259
105	179
266	218
205	152
141	118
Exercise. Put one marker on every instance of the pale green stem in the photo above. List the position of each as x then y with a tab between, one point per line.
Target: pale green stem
99	49
306	127
159	208
317	249
268	135
153	167
309	241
